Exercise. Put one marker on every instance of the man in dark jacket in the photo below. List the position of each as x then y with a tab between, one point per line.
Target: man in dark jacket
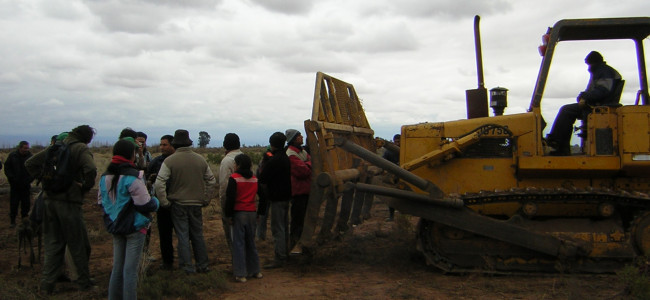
275	181
601	87
164	214
19	181
63	221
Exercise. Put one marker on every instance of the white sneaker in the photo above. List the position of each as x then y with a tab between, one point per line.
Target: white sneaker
240	279
297	250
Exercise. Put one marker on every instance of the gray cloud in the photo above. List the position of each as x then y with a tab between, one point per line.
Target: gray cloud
197	63
146	16
452	9
289	7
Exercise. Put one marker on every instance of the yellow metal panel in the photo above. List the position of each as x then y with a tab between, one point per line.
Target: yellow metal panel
412	148
453	176
423	130
532	166
602	118
634	128
635	133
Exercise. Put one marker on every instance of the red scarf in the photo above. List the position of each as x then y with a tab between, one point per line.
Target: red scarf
118	159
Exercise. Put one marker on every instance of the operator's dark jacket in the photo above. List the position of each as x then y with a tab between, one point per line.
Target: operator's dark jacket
601	84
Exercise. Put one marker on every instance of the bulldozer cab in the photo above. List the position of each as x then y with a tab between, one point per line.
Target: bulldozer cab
635	29
598	131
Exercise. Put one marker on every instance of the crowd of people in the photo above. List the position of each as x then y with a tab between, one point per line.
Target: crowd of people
174	186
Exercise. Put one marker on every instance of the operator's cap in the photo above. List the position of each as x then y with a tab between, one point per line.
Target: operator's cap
593	58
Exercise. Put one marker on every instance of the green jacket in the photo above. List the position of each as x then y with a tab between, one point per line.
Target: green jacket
184	178
83	166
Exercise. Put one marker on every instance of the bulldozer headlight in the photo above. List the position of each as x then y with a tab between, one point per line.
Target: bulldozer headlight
641	157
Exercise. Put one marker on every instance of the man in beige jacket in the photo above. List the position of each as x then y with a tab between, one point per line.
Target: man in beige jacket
185	183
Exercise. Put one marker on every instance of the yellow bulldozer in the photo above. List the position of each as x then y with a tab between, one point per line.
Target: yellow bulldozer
488	195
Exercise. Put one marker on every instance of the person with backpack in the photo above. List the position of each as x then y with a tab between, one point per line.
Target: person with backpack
63	222
127	206
20	182
36	217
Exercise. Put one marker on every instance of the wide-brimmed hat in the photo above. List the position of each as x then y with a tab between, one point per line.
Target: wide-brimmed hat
181	138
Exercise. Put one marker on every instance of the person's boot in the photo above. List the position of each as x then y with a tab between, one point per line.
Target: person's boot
275	264
561	150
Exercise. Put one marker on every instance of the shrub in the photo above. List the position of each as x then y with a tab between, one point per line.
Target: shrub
256	157
214	158
636	278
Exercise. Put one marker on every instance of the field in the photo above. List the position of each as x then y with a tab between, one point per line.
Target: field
376	260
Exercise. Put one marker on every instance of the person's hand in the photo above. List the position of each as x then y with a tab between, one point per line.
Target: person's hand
582	103
229	220
167	204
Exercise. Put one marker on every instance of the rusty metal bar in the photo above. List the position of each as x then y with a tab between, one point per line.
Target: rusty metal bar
439	154
375	159
402	194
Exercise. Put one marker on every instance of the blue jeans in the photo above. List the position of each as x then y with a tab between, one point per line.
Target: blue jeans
280	229
188	225
126	258
245	260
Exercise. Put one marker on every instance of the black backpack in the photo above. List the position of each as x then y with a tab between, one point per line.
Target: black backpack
57	171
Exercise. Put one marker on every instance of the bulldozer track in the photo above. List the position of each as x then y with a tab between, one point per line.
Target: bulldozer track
620	197
430	234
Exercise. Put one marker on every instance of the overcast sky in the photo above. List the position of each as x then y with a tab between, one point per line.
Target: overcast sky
249	66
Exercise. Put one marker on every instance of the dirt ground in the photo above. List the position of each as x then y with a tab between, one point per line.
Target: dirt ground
377	260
